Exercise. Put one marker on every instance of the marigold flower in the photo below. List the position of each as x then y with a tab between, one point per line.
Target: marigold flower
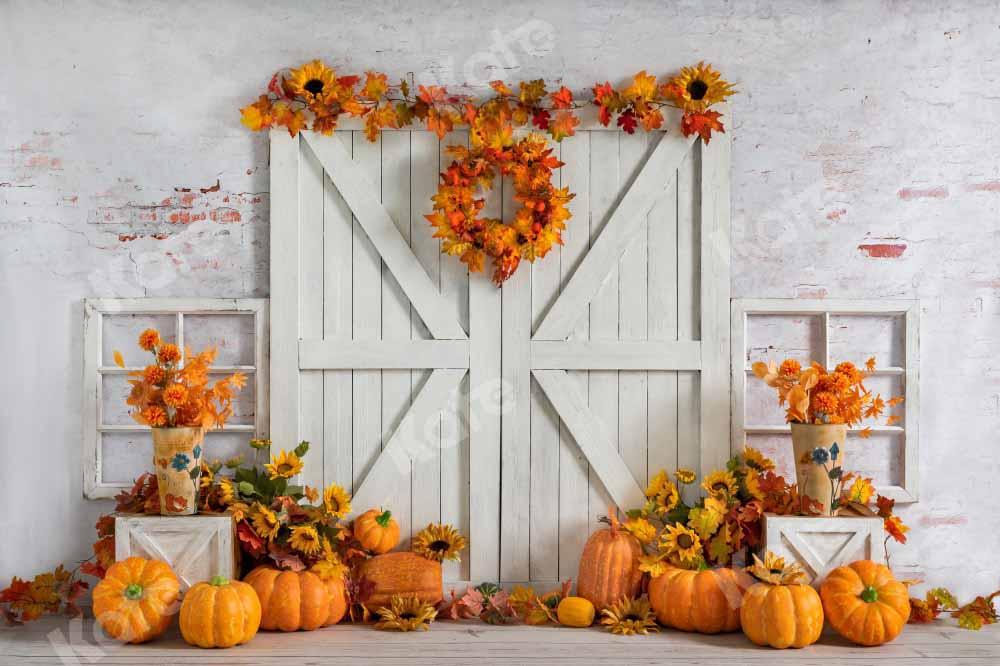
825	402
169	353
153	374
154	416
850	370
175	395
149	339
790	368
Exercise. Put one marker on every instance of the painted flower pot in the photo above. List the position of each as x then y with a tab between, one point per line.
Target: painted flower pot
177	461
819	457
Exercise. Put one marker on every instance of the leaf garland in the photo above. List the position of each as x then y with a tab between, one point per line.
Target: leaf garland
314	96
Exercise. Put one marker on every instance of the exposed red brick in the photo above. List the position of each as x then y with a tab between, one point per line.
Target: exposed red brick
883	250
910	193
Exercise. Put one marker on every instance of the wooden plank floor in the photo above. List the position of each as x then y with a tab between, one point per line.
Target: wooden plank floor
73	642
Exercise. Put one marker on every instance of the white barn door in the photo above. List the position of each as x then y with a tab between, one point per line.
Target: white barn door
517	414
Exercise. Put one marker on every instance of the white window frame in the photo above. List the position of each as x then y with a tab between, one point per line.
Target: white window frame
742	308
95	367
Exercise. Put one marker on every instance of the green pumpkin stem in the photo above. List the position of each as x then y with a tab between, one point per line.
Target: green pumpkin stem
383	518
869	595
218	581
133	592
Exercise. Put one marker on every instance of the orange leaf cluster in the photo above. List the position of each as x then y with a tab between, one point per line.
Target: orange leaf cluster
174	390
47	593
815	395
973	615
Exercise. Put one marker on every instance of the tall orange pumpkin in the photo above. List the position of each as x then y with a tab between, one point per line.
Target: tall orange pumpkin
294	600
134	602
706	601
865	603
403	574
220	613
782	610
377	531
609	566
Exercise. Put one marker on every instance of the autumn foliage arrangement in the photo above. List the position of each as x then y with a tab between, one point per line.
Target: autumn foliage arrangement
314	96
174	389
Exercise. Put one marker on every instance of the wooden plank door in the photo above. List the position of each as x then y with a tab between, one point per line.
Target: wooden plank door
517	414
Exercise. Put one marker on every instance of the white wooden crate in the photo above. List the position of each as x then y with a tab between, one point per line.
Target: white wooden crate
821	544
196	547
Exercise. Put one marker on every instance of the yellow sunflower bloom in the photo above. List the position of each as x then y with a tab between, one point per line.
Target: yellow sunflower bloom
312	81
668	498
685	475
774	571
757	460
657	484
697	88
720	484
439	542
641	529
265	522
405	614
336	501
227	492
629	617
680	543
305	539
284	465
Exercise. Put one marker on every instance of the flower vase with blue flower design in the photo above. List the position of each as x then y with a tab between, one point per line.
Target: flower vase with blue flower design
177	460
819	459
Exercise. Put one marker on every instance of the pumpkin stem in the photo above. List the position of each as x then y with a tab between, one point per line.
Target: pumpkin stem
613	519
383	518
133	592
218	581
869	594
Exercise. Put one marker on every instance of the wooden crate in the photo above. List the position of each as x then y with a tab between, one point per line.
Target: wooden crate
821	544
197	547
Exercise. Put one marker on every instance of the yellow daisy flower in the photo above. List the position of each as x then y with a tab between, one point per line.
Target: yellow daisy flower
305	539
680	543
641	529
284	465
265	522
685	475
439	542
336	501
720	484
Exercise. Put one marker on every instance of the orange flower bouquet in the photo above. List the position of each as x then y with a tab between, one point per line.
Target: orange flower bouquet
820	406
174	397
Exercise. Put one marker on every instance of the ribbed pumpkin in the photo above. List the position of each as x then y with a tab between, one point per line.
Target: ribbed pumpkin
609	566
782	610
706	601
294	600
338	600
575	612
134	602
220	613
377	531
403	574
865	603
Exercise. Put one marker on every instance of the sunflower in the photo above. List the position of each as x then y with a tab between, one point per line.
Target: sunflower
680	543
720	484
439	542
169	353
305	539
699	87
206	475
227	492
629	617
175	395
757	460
657	484
265	522
685	475
284	465
149	339
752	483
774	571
668	498
405	614
312	81
336	501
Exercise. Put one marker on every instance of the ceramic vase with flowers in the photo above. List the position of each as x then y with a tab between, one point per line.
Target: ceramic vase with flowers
821	406
174	397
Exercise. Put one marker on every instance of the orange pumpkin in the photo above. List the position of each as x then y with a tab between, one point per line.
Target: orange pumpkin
338	600
781	610
404	574
377	531
220	613
134	602
865	603
294	600
609	566
706	601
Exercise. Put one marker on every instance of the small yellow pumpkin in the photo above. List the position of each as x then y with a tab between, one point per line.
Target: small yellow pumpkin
220	613
377	531
782	610
135	601
575	612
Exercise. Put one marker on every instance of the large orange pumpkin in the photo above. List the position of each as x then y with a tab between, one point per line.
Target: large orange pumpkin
220	613
294	600
609	566
135	601
377	531
404	574
865	603
706	601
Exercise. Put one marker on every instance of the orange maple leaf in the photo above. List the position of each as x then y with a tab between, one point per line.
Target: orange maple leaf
561	126
562	98
702	124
